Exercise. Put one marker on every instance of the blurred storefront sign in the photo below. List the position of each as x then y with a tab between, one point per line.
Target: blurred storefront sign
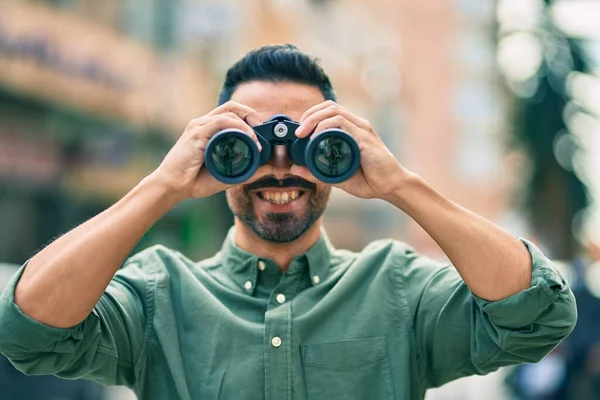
25	159
60	58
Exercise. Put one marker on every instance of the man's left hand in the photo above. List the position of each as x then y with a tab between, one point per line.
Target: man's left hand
379	173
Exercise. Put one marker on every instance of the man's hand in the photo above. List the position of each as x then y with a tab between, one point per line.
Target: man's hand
379	173
182	171
492	262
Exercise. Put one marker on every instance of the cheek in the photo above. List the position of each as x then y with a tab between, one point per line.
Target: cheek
322	193
323	188
235	197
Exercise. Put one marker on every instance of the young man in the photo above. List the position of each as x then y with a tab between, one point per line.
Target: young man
278	313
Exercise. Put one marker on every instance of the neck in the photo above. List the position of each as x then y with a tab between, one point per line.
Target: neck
281	253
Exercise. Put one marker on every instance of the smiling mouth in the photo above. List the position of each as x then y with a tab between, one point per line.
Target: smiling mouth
280	197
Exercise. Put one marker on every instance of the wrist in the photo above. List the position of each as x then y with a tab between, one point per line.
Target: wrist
406	184
169	195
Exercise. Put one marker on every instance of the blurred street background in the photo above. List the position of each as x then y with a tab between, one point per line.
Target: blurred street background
495	103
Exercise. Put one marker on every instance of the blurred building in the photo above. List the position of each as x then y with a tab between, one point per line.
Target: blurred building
106	86
454	105
91	98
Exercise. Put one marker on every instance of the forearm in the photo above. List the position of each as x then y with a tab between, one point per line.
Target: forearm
62	283
492	262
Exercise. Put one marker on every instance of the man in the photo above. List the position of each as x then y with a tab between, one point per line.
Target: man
278	313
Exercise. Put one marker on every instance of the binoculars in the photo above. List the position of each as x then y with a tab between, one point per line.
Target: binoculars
232	157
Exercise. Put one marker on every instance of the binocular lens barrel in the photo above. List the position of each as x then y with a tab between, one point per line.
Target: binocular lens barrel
231	156
332	157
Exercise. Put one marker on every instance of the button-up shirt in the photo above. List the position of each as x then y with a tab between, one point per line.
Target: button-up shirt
382	323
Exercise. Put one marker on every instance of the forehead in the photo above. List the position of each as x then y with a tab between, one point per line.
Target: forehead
270	98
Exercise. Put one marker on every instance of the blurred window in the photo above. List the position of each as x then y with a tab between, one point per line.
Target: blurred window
106	12
164	25
477	9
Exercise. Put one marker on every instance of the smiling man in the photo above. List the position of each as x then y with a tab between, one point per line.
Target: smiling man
279	313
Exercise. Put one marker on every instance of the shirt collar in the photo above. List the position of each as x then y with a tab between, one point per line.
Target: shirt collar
244	267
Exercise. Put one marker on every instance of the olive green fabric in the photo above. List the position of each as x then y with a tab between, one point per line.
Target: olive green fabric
382	323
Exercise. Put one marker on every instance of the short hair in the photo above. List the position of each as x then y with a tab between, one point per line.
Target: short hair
276	63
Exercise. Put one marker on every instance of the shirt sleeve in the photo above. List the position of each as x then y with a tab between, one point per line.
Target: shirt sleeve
104	347
459	334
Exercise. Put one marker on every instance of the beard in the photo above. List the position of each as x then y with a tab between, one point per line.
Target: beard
281	227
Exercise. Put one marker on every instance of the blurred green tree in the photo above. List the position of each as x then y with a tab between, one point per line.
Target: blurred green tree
554	194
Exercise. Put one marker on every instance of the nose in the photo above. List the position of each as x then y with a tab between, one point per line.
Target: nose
281	162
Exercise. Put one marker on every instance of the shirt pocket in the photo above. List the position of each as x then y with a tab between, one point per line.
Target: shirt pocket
348	369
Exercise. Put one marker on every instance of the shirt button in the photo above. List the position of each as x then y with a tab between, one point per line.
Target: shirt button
316	279
276	341
262	265
248	285
280	298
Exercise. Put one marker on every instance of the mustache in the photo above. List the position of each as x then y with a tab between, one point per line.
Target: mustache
270	182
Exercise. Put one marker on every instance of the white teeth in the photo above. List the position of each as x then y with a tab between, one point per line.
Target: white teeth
280	198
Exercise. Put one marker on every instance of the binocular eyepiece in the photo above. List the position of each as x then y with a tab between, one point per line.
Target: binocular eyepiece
232	156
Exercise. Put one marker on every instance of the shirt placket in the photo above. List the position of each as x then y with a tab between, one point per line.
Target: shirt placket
278	340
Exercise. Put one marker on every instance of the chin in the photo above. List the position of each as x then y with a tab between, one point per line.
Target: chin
282	231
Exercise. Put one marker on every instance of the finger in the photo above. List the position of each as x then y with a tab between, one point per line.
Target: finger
222	122
321	106
233	121
247	114
202	121
309	124
205	176
316	108
340	122
197	122
357	180
219	122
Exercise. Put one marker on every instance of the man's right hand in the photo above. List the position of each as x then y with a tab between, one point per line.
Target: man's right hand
182	171
63	282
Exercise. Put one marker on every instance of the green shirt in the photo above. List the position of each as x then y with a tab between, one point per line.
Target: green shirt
382	323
